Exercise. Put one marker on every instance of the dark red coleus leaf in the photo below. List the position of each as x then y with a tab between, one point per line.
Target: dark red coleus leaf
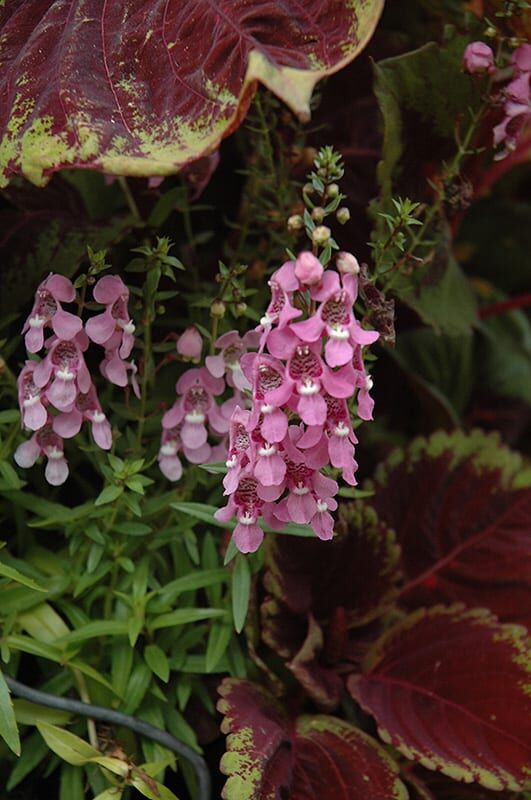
424	785
144	87
462	521
451	689
270	757
321	590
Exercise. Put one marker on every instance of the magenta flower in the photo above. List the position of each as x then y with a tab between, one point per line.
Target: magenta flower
309	500
517	106
31	401
333	443
335	317
478	58
190	344
48	313
238	456
115	369
194	410
247	507
308	269
64	373
280	310
44	442
266	375
86	408
233	348
115	321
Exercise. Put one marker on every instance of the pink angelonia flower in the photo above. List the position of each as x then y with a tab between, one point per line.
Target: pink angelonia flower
194	409
48	313
115	321
30	399
44	442
169	462
335	316
334	442
64	374
233	348
246	506
478	58
347	264
308	269
517	106
86	408
269	467
365	401
280	310
114	368
267	375
310	498
238	456
190	344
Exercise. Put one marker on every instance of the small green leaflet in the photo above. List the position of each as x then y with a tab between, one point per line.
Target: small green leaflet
241	587
8	723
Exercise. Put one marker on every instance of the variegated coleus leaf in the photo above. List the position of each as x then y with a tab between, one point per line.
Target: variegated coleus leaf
322	593
143	87
269	756
460	505
450	687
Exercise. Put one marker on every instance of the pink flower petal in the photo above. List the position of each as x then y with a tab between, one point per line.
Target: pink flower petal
66	325
270	470
171	467
102	434
338	352
27	453
101	327
62	394
68	424
215	365
108	289
61	288
34	340
193	435
312	409
248	538
35	416
310	330
56	471
274	426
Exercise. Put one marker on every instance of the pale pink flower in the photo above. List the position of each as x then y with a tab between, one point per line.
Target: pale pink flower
335	317
309	500
238	456
62	374
86	407
517	106
347	264
478	58
115	321
266	375
31	401
280	311
228	362
247	507
169	462
47	312
44	442
190	344
308	269
194	410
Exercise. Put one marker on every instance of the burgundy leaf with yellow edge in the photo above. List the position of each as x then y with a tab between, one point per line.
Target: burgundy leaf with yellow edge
461	508
320	591
270	756
143	88
451	688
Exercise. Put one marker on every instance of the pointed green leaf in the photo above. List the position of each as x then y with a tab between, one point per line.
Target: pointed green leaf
8	723
241	587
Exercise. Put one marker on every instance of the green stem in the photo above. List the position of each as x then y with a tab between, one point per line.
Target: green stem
131	202
147	367
84	694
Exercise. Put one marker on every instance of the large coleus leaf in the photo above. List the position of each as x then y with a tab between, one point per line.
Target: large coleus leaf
451	688
460	505
270	757
144	87
319	591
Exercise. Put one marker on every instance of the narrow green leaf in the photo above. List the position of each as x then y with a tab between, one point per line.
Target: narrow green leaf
113	793
28	713
157	661
14	575
71	784
185	615
152	789
8	723
34	749
218	640
93	630
108	495
241	587
137	687
66	745
187	583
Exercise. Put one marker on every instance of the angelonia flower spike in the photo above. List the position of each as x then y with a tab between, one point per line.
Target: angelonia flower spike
308	368
56	394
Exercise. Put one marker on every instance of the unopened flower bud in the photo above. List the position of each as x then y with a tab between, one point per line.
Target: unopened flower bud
308	268
318	214
190	344
491	32
342	215
321	235
308	188
240	308
347	264
295	223
332	190
217	309
478	58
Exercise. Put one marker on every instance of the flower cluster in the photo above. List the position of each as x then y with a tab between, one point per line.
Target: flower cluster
56	394
517	105
196	425
302	378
